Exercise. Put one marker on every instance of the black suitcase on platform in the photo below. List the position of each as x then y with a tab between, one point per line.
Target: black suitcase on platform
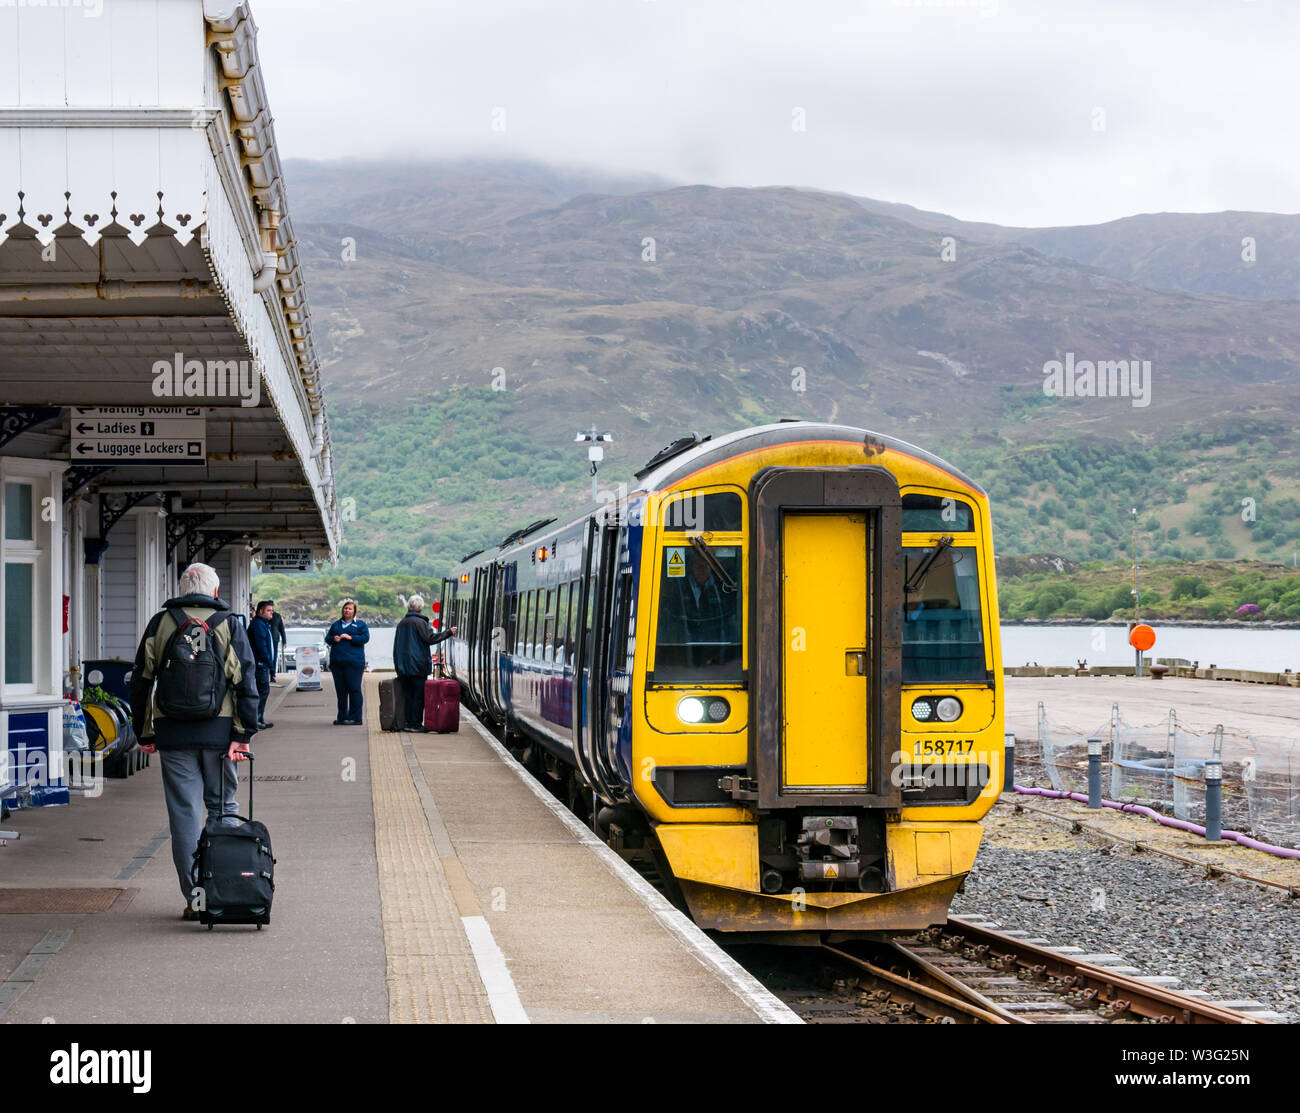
392	715
234	868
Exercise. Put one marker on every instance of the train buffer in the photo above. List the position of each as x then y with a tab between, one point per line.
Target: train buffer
420	878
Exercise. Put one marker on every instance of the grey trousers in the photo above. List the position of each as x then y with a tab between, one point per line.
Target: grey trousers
196	784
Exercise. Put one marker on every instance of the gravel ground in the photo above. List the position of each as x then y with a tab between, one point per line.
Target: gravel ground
1231	938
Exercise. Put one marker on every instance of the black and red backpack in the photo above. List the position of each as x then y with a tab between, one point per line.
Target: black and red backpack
191	678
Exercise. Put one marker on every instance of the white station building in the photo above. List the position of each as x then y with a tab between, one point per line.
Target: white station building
160	393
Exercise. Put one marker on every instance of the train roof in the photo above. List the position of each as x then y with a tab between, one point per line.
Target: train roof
689	454
716	449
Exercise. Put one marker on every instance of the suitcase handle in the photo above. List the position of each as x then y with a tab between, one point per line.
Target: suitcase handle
248	756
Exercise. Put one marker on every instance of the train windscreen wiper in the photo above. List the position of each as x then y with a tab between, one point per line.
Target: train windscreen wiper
917	578
724	577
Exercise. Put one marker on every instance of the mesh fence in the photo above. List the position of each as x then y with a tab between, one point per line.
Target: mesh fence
1064	751
1192	749
1142	762
1272	782
1162	765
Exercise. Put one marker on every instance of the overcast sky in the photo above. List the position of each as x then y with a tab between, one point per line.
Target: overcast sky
1028	112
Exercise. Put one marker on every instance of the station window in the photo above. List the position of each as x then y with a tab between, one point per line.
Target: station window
26	551
20	622
18	512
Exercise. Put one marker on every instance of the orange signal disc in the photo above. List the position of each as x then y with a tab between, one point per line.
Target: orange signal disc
1142	637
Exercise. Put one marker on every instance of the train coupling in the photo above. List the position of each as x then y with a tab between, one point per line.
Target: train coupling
827	848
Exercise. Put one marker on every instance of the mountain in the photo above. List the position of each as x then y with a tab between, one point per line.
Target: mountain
473	315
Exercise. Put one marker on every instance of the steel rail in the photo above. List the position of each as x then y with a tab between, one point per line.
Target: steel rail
954	1004
1139	998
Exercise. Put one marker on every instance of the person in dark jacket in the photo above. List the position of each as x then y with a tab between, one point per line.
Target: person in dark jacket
347	640
278	640
197	756
411	659
263	642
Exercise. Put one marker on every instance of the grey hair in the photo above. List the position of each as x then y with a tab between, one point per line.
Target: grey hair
199	579
415	603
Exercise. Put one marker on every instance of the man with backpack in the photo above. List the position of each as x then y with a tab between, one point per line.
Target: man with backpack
194	702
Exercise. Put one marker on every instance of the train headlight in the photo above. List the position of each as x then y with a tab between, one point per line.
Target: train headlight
718	710
923	710
691	710
949	709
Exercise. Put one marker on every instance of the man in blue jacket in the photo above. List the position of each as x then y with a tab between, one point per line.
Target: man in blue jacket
263	642
197	755
411	659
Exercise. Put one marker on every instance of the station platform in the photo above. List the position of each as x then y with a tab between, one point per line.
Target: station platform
420	878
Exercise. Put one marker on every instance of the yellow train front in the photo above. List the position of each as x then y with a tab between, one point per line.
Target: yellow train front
776	658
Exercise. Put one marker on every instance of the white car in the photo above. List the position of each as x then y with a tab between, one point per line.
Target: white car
296	636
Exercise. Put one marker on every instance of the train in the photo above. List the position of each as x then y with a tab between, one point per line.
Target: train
769	667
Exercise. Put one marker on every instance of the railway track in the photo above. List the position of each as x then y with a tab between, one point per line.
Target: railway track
966	973
955	973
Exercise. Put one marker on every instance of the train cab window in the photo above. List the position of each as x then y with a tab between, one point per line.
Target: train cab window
943	630
561	621
700	616
525	616
717	512
936	514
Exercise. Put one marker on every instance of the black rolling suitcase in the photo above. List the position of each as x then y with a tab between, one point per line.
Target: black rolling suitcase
235	870
392	715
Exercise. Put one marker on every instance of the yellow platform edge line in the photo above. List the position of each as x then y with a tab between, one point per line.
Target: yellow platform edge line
431	974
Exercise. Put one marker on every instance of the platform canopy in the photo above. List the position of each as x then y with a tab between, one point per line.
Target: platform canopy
144	225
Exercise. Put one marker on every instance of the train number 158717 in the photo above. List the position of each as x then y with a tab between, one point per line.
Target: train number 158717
941	747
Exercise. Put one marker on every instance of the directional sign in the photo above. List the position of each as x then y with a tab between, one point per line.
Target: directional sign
147	436
287	558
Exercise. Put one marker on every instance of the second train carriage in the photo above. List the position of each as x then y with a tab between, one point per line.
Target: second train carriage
777	655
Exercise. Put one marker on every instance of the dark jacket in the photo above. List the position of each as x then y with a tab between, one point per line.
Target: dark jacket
259	634
347	652
411	645
278	636
237	720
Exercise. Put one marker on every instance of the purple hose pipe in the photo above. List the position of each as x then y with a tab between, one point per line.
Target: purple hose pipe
1179	824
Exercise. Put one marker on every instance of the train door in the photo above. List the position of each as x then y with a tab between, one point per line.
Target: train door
497	645
825	651
825	680
607	692
583	647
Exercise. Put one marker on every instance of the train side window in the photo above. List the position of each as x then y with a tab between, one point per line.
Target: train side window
561	621
511	622
529	620
521	635
539	622
574	631
591	618
545	649
623	604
